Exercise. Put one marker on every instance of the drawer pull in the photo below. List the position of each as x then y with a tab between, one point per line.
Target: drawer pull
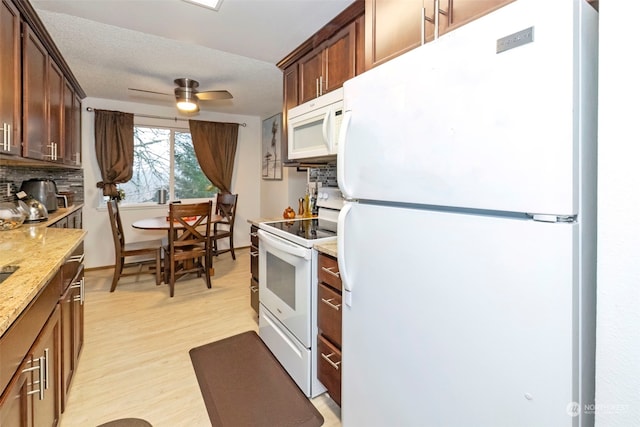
75	258
336	307
254	254
327	357
80	285
254	289
41	377
254	234
335	274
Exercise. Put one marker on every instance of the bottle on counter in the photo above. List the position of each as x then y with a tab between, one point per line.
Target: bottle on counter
307	210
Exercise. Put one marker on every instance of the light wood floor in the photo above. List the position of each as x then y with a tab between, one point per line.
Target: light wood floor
135	361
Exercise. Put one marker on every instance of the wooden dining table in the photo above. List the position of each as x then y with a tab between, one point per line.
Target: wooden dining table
162	223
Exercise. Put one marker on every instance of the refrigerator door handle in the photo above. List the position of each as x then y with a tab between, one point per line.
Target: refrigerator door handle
347	285
342	138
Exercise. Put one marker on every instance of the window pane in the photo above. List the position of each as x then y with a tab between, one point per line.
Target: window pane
151	161
190	181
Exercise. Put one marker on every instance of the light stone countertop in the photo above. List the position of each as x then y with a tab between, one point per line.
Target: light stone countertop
330	248
39	251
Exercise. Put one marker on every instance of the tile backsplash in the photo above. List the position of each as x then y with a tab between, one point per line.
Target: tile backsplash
11	178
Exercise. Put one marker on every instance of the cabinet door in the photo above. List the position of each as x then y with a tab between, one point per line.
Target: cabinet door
77	126
392	27
46	350
68	142
290	89
55	87
72	331
310	70
454	13
35	114
10	78
16	404
340	58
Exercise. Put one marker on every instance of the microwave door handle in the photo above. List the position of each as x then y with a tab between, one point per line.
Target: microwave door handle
325	128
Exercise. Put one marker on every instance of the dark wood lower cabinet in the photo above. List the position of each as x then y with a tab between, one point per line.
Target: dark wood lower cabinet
330	326
40	350
255	270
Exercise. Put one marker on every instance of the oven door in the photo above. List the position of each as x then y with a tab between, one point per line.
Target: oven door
285	283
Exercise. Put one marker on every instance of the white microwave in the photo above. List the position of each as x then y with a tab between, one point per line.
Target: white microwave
313	127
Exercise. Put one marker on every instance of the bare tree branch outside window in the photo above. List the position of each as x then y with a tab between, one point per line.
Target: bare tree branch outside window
152	167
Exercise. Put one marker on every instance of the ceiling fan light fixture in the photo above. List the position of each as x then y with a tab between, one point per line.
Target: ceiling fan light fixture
187	106
186	99
209	4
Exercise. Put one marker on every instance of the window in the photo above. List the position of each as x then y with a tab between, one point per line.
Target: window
164	158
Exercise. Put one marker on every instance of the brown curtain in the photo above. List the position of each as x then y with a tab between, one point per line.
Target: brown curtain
215	147
114	149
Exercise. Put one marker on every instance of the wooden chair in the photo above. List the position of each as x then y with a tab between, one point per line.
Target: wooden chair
189	243
226	204
132	254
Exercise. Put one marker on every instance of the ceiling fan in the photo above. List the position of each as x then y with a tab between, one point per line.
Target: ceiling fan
188	96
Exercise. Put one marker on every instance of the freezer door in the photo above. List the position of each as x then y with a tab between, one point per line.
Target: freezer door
460	320
454	123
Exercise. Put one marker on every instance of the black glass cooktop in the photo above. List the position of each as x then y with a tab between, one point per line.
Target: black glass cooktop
308	229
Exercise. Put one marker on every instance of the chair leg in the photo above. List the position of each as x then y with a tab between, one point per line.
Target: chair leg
207	268
172	279
233	253
117	271
158	266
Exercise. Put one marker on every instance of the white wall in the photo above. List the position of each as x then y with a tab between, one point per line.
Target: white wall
618	312
277	195
246	178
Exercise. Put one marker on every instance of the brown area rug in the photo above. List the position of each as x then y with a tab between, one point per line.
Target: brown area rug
244	385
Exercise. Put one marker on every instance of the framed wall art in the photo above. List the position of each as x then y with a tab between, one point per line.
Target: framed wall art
272	147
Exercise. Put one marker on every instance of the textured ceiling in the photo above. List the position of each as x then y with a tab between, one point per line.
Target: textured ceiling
112	45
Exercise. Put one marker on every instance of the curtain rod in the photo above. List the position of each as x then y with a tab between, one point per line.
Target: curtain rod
90	109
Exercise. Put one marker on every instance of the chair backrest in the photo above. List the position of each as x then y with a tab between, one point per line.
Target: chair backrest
226	204
189	224
116	226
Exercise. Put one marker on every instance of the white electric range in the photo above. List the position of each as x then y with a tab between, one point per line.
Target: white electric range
289	288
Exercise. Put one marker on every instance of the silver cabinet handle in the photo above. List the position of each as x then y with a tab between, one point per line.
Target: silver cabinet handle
329	270
326	357
254	254
321	80
79	284
41	377
336	307
254	289
75	258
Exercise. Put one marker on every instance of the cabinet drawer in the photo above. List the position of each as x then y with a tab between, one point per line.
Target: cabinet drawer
254	236
328	271
330	314
255	294
255	265
330	368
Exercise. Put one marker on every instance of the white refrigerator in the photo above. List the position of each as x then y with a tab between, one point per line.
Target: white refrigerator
467	243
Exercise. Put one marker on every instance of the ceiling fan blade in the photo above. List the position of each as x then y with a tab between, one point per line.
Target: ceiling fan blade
150	91
211	95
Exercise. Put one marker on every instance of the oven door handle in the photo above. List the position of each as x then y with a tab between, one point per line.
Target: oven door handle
283	245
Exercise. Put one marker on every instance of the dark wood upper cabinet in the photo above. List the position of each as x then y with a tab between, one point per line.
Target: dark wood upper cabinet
328	66
34	98
55	86
10	78
393	28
